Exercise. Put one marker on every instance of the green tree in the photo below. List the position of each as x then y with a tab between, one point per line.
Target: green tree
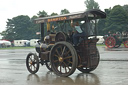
117	20
101	26
34	28
107	11
125	8
53	14
17	28
91	4
64	11
101	23
42	13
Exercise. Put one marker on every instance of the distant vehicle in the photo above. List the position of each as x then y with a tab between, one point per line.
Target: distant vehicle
115	40
33	42
5	43
100	41
21	42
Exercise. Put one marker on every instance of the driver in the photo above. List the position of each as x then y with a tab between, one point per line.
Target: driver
77	33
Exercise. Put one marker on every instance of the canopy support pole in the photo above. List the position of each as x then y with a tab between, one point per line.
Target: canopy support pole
42	31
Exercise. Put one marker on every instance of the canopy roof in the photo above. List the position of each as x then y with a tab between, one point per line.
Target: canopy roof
73	16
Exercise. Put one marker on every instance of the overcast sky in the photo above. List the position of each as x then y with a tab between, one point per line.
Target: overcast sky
13	8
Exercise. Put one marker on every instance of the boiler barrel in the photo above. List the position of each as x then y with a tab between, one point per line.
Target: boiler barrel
43	47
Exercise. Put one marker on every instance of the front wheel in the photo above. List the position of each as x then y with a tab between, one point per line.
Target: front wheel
63	58
32	63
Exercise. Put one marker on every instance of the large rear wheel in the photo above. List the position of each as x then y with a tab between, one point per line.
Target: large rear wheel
63	58
92	63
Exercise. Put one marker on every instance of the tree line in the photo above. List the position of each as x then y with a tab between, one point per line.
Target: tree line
23	27
116	21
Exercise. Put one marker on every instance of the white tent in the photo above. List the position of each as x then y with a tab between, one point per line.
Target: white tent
5	43
33	42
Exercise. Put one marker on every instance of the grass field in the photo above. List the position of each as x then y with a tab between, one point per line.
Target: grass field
16	48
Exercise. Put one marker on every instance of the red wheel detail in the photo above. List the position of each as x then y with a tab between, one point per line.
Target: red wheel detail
126	43
110	42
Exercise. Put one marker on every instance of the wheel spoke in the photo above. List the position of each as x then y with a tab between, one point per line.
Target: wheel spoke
57	52
69	62
55	61
30	65
66	65
67	52
63	51
34	67
56	56
68	57
60	67
35	60
30	58
65	70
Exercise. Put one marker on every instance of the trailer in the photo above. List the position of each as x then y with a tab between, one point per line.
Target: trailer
21	42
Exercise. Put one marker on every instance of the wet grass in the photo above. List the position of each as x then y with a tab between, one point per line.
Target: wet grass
100	45
105	45
16	48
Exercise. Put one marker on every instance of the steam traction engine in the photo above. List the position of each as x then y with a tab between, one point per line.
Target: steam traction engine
57	49
115	40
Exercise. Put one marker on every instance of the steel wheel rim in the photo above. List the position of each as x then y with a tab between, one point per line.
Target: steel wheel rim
59	59
110	42
63	59
32	63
